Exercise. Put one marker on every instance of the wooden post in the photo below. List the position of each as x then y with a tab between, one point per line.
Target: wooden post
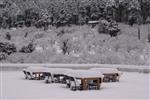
84	84
98	83
39	76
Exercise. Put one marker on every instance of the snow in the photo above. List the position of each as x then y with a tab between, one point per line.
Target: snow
57	47
14	86
57	70
106	70
84	73
65	71
46	69
76	65
93	22
39	49
35	69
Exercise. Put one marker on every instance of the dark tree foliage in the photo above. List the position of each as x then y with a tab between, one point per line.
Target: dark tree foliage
108	26
31	16
65	12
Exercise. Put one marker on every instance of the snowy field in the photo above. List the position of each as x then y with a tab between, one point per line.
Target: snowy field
131	86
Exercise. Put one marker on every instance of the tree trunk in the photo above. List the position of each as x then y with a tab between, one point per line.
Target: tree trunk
139	33
148	32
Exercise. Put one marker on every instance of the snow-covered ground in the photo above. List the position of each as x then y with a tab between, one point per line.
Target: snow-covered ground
131	86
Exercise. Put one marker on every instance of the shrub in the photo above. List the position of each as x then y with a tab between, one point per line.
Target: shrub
110	28
27	49
113	29
103	24
3	56
7	48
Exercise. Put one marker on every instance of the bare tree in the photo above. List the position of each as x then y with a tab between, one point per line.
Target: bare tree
148	21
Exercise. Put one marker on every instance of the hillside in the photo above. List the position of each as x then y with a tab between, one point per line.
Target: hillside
67	36
84	45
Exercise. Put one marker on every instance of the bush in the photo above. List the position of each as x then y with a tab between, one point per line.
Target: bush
27	49
3	56
7	48
110	28
113	29
103	24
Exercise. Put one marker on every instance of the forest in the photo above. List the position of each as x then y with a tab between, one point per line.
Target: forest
58	31
38	13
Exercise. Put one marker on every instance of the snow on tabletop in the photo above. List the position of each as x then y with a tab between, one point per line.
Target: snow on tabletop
46	69
106	70
58	70
84	73
36	69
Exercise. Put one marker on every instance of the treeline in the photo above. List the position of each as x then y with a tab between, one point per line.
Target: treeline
67	12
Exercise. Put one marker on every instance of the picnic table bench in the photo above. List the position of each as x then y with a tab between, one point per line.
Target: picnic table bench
34	73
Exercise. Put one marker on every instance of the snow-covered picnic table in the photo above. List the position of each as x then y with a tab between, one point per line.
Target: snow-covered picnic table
110	74
87	78
38	71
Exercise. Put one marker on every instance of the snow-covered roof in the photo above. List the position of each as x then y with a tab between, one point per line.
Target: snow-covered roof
106	70
83	73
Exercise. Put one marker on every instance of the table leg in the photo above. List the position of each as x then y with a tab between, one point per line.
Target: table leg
98	84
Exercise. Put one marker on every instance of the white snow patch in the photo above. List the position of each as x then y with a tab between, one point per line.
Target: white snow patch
39	49
92	52
57	47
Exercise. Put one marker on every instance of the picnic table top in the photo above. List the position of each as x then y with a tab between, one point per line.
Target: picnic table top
46	69
92	73
84	74
106	70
